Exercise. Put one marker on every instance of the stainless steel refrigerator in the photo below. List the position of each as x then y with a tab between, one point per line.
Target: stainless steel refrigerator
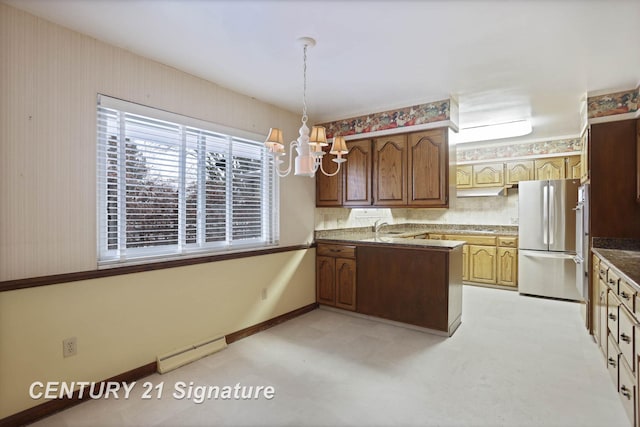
547	238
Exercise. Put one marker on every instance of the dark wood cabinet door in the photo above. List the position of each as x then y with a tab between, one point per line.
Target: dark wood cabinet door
638	160
356	177
428	168
346	283
390	171
325	280
329	188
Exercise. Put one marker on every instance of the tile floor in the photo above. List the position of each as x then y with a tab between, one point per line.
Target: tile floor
515	361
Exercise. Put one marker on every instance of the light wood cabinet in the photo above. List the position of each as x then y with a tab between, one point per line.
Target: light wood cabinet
482	264
573	166
518	170
390	171
507	274
463	176
356	173
465	263
329	188
616	329
488	175
428	168
550	168
336	276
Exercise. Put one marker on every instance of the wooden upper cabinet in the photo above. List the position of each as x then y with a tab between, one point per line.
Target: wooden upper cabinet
550	168
428	171
463	176
356	174
573	167
584	158
390	171
638	160
518	170
329	188
488	175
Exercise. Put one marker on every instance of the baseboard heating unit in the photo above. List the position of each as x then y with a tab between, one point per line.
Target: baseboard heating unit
183	356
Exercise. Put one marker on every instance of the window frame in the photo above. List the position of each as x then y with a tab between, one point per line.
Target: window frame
269	188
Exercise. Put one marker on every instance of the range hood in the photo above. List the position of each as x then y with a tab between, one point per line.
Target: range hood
481	192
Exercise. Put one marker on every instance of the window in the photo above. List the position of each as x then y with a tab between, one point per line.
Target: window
172	185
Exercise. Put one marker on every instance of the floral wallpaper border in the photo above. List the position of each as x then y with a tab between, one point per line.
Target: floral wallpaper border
613	103
408	116
519	150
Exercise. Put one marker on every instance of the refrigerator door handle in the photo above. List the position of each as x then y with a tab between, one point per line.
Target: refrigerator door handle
543	254
545	214
552	215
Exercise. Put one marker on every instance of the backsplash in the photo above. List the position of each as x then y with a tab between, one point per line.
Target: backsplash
471	210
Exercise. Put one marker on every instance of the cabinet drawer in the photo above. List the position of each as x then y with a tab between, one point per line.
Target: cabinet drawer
603	272
626	294
341	251
612	314
627	390
473	240
612	280
626	336
436	236
613	359
510	242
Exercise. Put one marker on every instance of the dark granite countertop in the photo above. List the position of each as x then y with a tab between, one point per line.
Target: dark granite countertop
625	261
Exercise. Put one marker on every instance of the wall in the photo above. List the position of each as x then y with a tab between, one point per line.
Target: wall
472	210
49	78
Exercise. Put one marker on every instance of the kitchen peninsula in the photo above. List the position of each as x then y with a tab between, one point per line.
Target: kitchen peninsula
394	277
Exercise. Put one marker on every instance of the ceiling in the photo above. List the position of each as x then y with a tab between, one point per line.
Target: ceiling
502	60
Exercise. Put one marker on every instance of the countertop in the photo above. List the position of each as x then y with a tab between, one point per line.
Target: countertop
626	261
396	240
402	234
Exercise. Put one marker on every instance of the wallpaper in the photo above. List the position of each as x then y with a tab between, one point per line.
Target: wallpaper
518	150
409	116
613	103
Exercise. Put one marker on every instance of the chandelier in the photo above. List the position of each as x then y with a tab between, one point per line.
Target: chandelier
309	147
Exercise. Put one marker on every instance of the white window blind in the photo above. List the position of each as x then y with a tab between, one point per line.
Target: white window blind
171	185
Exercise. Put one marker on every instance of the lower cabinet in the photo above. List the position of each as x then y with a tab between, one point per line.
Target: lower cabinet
487	259
465	263
507	267
616	327
336	276
482	264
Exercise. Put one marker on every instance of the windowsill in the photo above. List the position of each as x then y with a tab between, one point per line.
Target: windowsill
116	270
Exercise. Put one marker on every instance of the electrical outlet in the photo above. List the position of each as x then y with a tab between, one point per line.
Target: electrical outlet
264	293
69	347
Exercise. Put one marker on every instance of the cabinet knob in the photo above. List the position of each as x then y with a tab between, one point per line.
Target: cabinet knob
611	281
612	362
624	295
625	391
612	316
624	337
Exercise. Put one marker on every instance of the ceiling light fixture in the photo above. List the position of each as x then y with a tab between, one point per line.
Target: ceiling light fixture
308	147
497	131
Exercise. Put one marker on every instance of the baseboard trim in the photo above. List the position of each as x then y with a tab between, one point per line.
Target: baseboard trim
52	406
243	333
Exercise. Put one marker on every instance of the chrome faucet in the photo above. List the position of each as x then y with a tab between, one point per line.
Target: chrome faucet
376	227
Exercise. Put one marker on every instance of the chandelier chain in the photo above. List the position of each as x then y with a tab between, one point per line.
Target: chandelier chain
304	87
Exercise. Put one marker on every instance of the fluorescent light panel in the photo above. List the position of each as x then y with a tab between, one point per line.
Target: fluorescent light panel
498	131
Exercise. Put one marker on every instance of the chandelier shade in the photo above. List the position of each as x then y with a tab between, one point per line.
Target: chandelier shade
309	145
